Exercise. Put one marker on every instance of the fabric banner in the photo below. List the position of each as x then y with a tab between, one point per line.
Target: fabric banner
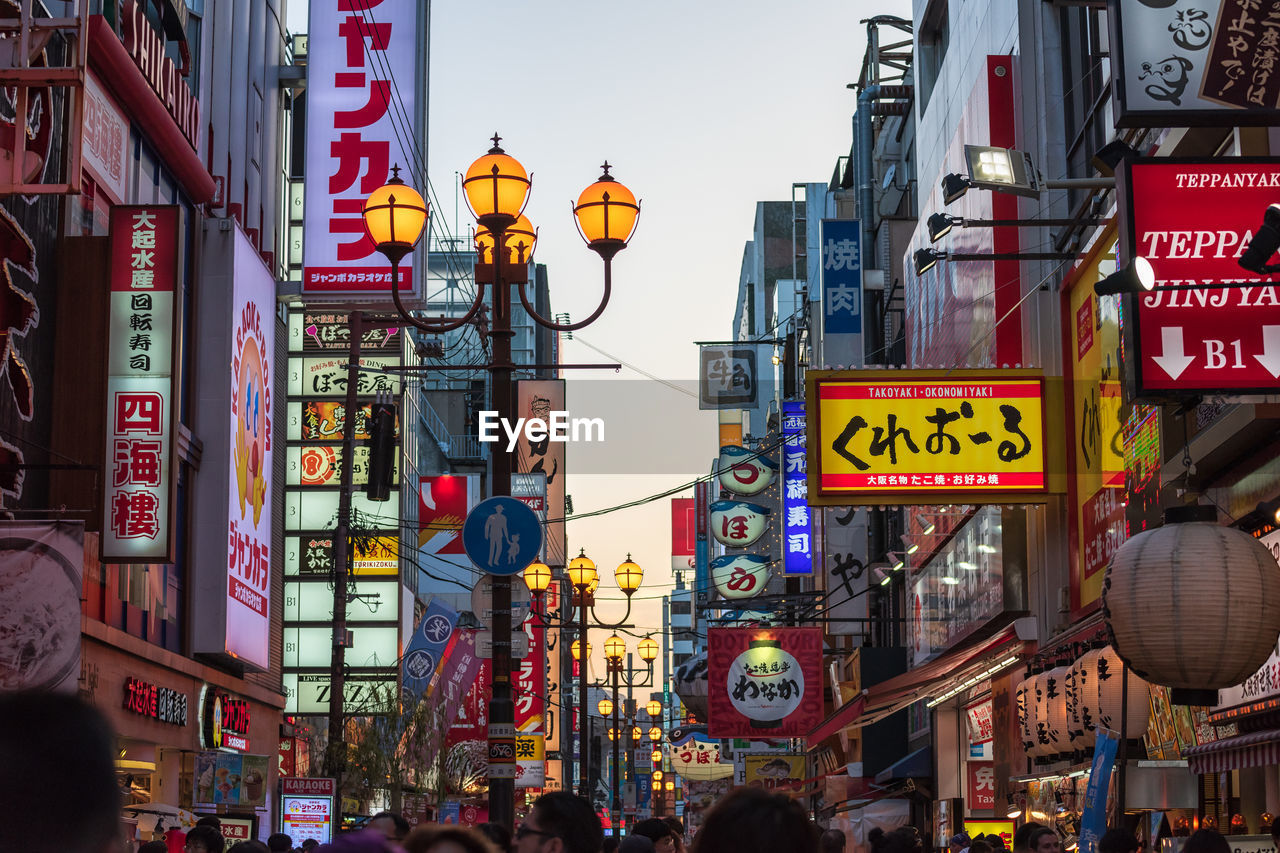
1094	822
426	649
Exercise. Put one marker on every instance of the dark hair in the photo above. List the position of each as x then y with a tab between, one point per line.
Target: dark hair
754	819
47	734
424	837
655	829
980	846
677	826
1033	841
279	842
831	841
571	819
253	846
1022	838
497	833
610	844
875	838
1206	841
904	839
1118	841
210	820
401	825
154	847
310	844
206	835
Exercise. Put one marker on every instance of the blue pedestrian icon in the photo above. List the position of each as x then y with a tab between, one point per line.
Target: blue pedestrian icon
502	536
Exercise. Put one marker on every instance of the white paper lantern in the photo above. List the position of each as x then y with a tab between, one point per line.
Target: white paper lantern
1109	682
1056	710
1040	717
1216	591
1075	723
1022	699
1087	688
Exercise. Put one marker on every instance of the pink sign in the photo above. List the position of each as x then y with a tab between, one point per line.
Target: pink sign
106	140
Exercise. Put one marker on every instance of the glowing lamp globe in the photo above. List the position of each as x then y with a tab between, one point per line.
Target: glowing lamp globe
537	576
628	575
613	734
653	707
605	707
614	648
607	213
394	216
655	734
657	775
496	187
520	240
636	734
581	570
575	649
648	649
656	755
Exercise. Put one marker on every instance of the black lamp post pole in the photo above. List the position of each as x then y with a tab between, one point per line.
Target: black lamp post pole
584	729
614	667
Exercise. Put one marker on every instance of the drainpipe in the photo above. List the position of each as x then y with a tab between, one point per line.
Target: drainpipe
863	173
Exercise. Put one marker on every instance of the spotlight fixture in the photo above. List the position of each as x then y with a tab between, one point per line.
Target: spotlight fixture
926	526
1264	244
896	563
953	187
940	225
927	259
1004	169
912	547
1136	276
1112	155
1013	810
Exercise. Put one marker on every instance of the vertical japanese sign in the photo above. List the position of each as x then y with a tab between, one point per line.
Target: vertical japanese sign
529	685
683	537
981	777
842	276
727	377
140	419
253	297
764	682
538	398
361	113
797	552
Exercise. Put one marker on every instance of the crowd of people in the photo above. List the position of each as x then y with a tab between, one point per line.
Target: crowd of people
65	751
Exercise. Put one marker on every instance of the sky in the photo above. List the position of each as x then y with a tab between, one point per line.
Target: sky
702	109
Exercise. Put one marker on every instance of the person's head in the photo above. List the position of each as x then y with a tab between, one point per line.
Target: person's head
154	847
832	841
392	826
1022	838
448	838
636	844
211	820
309	844
497	833
875	838
248	847
980	845
677	831
45	734
1045	840
203	839
958	842
279	842
904	839
656	830
1118	841
1206	841
610	844
365	840
1275	831
754	819
560	822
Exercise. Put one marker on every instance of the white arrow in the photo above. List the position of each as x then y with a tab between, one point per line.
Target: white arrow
1173	362
1270	357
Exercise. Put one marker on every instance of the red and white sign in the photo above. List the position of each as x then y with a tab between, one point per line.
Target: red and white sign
982	785
763	682
306	817
979	717
684	539
106	140
529	684
138	504
442	507
1192	219
362	68
249	496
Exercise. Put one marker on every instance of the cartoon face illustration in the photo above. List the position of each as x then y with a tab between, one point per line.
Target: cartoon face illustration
1169	78
1191	29
251	430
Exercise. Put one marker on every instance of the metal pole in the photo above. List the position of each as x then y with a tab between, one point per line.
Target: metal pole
502	789
336	753
616	665
633	744
584	729
1123	751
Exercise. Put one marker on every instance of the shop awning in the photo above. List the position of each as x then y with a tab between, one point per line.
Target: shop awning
969	663
1256	749
913	766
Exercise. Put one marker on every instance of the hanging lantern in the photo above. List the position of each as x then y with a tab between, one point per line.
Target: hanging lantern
1109	678
1217	590
740	575
1056	710
1040	702
1072	707
738	523
1079	735
745	472
1022	697
1087	687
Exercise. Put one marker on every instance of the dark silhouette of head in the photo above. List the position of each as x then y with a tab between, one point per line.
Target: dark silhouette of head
754	819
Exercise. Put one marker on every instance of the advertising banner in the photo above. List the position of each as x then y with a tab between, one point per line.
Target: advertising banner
1191	219
426	649
538	398
926	436
1207	65
356	117
797	545
772	771
222	778
307	817
41	568
1094	821
727	377
764	682
327	331
443	504
683	537
105	152
145	298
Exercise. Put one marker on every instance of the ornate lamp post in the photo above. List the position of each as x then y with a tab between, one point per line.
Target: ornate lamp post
497	188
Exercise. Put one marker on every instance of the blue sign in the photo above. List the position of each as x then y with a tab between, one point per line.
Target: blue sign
841	276
502	535
644	788
1093	823
426	649
797	551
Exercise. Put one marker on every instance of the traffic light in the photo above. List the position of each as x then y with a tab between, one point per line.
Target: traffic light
382	451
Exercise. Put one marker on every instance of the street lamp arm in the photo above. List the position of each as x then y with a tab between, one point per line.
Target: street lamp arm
613	626
438	325
569	327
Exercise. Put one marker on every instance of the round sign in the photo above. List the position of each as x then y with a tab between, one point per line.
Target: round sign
745	472
765	683
502	535
738	523
420	663
482	600
740	575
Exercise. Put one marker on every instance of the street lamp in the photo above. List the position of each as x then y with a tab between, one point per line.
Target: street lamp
537	576
654	707
605	706
614	648
497	188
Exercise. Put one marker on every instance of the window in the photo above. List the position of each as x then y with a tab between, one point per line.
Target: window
934	36
681	608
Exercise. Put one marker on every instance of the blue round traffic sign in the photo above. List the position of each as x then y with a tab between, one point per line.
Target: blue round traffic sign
502	535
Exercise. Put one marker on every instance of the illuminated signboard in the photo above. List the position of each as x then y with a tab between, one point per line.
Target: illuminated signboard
326	376
797	544
313	556
357	53
224	720
926	436
158	703
1191	219
326	331
141	423
764	682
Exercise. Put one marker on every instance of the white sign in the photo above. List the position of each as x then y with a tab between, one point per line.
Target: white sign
775	673
251	457
482	600
307	817
361	102
740	575
106	140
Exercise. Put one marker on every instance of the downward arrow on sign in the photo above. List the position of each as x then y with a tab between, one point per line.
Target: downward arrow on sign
1270	357
1173	362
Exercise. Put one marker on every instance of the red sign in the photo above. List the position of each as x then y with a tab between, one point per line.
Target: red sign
442	507
764	682
158	703
296	786
1192	219
982	785
684	538
287	757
